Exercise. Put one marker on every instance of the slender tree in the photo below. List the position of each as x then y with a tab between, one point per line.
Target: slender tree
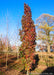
28	37
7	44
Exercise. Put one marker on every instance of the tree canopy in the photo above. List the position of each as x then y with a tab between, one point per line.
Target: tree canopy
27	35
45	28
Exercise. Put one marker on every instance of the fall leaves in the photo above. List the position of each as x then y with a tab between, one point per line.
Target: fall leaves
28	36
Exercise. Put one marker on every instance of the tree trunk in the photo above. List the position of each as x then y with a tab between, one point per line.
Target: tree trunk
6	59
27	72
48	48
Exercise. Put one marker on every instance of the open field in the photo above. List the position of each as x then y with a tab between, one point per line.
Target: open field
16	66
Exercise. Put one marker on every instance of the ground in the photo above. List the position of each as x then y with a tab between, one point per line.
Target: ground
15	66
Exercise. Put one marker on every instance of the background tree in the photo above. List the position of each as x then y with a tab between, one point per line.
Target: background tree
46	29
2	44
53	43
28	36
1	48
